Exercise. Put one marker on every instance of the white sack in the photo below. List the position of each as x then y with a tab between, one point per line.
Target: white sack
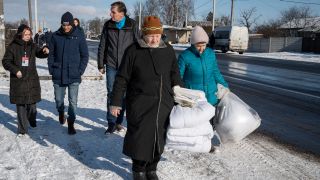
204	129
186	117
204	147
235	119
188	140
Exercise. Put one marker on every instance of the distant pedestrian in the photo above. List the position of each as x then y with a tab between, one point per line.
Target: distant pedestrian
39	38
117	34
147	74
67	62
25	91
76	23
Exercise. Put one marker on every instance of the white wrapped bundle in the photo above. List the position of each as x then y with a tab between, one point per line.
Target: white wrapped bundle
235	119
185	117
204	129
205	146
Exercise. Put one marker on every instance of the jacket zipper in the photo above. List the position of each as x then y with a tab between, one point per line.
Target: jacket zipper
156	140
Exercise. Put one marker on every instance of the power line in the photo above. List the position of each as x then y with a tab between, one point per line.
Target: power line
299	2
202	5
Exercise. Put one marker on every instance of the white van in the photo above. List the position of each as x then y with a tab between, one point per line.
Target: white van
233	38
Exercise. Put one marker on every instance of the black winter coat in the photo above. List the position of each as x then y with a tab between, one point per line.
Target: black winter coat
68	57
25	90
147	75
115	41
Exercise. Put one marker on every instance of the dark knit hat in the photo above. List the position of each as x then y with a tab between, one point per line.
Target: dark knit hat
21	28
151	25
67	19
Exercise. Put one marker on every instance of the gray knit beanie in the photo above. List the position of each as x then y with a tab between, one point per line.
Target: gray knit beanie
199	35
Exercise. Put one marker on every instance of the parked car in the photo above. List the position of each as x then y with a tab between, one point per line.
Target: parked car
233	38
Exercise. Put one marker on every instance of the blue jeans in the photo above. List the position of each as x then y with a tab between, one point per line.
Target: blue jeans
60	92
110	77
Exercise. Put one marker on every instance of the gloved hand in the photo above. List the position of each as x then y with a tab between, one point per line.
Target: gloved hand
175	88
222	91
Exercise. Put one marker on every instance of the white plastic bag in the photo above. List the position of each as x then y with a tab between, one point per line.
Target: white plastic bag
235	119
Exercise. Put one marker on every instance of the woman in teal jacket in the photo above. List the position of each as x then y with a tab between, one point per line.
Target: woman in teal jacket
198	66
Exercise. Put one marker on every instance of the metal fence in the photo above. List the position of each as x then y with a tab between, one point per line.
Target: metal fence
275	44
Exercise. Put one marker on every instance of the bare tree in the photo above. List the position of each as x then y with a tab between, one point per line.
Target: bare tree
249	18
269	29
95	25
171	12
223	20
296	17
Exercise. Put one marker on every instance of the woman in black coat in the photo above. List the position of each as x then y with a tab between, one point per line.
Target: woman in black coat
25	90
147	74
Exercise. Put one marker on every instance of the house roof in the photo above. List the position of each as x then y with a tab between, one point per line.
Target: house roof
200	23
176	28
303	24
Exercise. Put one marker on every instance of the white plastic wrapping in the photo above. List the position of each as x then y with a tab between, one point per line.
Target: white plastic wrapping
190	129
235	119
185	117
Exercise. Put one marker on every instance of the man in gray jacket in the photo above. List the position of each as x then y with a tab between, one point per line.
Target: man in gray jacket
118	33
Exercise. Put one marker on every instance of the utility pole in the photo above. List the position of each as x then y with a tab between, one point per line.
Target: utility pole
140	15
2	37
186	19
213	13
36	14
30	13
232	12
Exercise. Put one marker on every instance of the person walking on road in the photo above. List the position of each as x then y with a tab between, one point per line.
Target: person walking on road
147	75
118	33
25	90
68	59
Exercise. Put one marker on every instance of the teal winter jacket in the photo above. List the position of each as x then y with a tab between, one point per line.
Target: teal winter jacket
201	72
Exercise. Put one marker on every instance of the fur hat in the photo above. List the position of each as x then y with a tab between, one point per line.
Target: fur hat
199	35
151	25
67	18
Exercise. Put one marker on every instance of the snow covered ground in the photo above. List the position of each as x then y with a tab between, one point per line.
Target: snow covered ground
294	56
48	152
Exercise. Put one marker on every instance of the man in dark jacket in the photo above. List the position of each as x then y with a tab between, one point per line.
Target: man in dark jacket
147	74
118	33
68	59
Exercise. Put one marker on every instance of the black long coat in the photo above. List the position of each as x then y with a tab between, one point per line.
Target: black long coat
25	90
147	75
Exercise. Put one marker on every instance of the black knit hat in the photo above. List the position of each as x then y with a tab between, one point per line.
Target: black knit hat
67	18
21	28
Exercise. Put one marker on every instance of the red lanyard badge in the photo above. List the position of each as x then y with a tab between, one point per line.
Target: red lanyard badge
25	60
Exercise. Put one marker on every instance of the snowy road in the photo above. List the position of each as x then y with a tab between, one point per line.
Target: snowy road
50	153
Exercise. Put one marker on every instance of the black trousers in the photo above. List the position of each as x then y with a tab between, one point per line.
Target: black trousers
26	114
143	166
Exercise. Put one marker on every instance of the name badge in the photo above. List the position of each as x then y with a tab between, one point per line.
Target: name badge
25	61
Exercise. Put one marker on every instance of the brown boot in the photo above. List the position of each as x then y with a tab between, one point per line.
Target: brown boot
62	118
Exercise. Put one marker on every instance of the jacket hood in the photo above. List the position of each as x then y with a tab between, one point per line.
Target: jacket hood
194	50
19	41
143	44
74	32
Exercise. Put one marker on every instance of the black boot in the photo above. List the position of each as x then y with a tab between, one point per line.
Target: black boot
71	129
152	175
62	118
139	175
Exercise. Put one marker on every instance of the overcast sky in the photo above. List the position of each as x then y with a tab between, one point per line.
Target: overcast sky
50	11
